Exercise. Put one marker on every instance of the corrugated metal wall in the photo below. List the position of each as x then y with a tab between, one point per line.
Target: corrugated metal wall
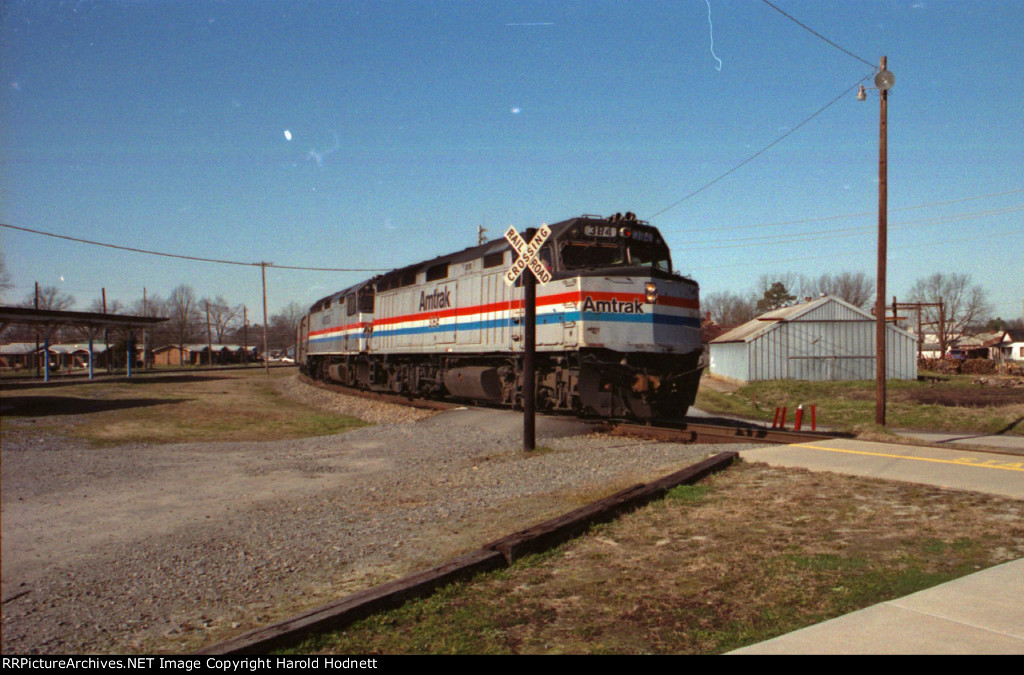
730	360
831	342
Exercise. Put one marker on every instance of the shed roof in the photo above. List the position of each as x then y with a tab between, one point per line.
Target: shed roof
768	321
71	348
18	348
52	317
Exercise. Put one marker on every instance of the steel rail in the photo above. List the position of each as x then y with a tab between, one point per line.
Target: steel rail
689	432
677	432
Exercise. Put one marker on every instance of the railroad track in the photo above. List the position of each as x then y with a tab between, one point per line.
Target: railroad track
397	399
726	432
676	432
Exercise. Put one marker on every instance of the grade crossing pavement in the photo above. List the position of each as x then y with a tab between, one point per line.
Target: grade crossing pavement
948	467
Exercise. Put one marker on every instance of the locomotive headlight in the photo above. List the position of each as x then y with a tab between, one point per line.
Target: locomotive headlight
651	291
625	232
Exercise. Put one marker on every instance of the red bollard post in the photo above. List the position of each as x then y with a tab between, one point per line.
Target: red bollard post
775	420
814	421
799	417
782	419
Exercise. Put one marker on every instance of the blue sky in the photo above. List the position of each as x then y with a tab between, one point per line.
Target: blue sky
373	134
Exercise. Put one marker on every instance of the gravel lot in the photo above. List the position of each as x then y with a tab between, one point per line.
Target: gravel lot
165	548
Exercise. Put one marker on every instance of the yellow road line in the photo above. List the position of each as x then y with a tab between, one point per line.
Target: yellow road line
965	461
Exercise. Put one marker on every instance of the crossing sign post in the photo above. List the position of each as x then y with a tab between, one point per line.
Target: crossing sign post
528	260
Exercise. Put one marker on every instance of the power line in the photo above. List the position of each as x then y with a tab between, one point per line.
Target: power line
190	257
780	138
860	214
817	34
847	253
849	231
759	152
759	240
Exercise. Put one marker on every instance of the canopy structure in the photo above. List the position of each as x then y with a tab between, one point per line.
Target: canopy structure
90	321
54	317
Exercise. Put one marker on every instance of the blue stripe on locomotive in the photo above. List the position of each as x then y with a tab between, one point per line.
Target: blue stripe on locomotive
545	319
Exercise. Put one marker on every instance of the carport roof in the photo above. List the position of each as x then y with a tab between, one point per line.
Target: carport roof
53	317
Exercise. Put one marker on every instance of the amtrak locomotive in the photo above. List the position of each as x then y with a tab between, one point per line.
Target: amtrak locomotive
618	332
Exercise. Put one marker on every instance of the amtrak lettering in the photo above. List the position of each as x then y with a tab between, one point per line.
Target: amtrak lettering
613	306
439	299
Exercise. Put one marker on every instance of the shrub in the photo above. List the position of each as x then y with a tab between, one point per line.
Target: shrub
978	367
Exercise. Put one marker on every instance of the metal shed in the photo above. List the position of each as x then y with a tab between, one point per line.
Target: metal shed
822	339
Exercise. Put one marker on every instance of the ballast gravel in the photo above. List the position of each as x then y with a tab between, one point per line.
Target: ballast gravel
167	548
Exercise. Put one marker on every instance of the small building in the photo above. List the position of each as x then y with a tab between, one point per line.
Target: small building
200	354
930	346
1011	347
74	355
826	339
17	355
980	346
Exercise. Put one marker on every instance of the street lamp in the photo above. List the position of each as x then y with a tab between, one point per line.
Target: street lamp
883	82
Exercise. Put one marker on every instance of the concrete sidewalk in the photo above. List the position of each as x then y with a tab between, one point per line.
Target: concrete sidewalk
979	614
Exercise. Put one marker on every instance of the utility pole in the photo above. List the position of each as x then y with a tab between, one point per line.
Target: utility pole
245	335
106	336
883	206
145	333
883	82
37	332
266	354
209	335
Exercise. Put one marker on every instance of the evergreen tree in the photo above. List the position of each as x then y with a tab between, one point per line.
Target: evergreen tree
775	297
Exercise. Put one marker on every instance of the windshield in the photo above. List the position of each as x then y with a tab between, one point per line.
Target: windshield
590	255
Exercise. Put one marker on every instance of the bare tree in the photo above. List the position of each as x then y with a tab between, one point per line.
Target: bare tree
6	282
964	304
151	305
285	323
183	311
50	297
158	335
728	308
222	315
113	306
855	288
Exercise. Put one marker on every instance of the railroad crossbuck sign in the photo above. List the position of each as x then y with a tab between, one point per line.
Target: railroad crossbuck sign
527	255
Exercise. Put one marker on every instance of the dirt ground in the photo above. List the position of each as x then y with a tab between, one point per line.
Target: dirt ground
143	547
750	553
978	396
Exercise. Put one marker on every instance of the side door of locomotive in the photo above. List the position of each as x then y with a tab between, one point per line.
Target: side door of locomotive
469	317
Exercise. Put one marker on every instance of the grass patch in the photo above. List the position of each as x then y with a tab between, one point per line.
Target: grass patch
241	405
688	493
695	574
954	404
